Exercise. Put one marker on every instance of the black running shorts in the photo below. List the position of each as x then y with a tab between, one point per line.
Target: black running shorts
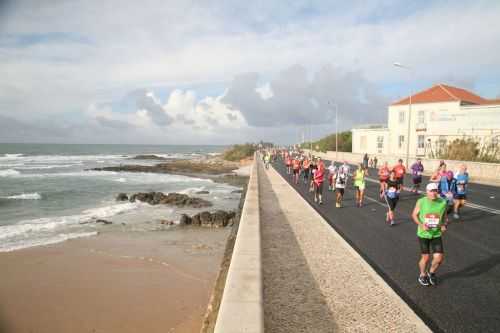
319	188
434	244
392	202
340	190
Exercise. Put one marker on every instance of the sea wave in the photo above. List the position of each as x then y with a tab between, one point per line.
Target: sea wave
13	246
24	196
9	173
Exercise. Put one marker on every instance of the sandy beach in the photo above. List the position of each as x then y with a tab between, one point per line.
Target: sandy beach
114	282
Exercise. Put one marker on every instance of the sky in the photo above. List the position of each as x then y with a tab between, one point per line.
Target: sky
223	72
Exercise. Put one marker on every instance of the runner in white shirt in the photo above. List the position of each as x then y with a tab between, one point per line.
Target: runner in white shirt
332	170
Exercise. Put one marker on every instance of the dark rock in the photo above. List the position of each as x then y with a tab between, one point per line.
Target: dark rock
185	220
149	157
176	199
205	219
196	219
237	191
103	221
167	222
203	192
122	197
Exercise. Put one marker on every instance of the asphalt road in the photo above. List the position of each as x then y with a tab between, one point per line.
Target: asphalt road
467	298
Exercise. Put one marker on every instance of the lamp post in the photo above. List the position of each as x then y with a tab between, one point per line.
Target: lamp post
336	130
399	65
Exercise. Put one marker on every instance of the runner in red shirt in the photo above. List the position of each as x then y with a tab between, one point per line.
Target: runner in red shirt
319	178
400	171
383	175
288	162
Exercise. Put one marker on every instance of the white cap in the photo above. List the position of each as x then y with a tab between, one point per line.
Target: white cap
431	187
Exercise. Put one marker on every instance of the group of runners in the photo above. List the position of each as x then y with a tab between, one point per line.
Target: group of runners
445	193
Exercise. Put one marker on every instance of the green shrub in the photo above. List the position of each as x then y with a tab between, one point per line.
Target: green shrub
239	152
328	143
470	150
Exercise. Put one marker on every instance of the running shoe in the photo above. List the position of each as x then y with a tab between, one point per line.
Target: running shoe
456	216
393	223
423	280
432	278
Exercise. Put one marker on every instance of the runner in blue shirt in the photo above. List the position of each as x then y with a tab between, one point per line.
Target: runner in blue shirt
460	183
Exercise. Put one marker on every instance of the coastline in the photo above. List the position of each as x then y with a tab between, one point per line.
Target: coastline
157	281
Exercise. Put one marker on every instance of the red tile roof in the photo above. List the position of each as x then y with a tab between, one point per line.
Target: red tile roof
445	93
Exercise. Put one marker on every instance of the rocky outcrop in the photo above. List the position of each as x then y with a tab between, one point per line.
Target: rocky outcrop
122	197
217	219
203	192
149	157
176	199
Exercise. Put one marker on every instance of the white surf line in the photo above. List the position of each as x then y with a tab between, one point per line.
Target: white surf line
467	204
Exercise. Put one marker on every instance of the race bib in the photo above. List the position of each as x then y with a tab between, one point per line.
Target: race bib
431	220
419	173
461	188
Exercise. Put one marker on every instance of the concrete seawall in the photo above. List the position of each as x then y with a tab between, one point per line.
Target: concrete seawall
241	308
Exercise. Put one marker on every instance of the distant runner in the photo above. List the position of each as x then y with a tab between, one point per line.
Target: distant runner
430	216
288	161
460	190
400	171
319	177
305	166
313	168
392	196
296	169
417	169
360	184
332	170
445	188
383	175
340	184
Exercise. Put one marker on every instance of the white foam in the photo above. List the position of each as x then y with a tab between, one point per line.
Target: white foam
120	180
54	166
25	196
13	246
12	155
9	173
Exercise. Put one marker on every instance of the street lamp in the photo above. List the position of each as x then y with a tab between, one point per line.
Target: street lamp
336	130
399	65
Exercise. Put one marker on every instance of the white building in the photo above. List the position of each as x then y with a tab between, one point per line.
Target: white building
435	116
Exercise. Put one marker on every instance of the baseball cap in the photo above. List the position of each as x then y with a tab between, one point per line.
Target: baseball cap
431	187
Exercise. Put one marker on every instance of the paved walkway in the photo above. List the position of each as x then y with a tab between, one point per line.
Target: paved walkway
313	281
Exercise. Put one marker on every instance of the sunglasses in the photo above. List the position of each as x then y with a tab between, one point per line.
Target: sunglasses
433	190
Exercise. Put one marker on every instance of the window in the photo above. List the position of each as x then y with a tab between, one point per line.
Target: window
421	141
401	141
421	117
401	116
362	143
380	144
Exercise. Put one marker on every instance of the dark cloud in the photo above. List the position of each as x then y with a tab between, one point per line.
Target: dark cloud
113	123
299	100
155	110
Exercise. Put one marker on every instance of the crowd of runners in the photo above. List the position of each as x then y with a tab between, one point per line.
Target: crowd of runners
445	193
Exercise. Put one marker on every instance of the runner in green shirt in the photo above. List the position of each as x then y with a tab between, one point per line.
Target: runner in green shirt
430	216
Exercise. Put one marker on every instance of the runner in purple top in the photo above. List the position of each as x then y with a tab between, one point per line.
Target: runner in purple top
416	172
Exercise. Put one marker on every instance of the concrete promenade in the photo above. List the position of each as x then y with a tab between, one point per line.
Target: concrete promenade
313	280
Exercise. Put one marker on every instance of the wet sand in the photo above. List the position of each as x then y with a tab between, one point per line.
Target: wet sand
115	282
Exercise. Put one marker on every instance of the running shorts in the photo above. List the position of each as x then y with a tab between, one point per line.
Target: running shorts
392	202
399	181
460	197
434	244
382	180
417	180
318	187
361	186
296	171
340	190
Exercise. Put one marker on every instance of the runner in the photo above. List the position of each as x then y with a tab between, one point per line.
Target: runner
296	169
445	188
383	176
400	171
430	216
346	168
440	172
360	184
319	176
267	159
340	185
332	170
417	170
313	168
305	166
392	196
288	161
460	190
375	161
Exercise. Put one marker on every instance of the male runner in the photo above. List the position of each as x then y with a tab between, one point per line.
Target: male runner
445	188
400	171
430	216
392	196
340	184
305	166
417	170
460	190
296	169
288	161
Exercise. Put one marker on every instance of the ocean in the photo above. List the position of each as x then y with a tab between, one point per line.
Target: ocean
46	196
